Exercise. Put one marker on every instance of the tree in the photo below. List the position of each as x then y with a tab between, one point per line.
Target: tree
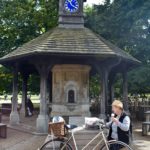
126	23
5	80
20	22
95	86
23	20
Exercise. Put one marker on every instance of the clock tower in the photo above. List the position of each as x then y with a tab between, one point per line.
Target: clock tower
71	13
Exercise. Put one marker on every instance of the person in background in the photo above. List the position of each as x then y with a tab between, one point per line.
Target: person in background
120	123
11	99
30	107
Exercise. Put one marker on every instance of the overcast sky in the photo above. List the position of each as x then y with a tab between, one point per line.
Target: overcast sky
91	2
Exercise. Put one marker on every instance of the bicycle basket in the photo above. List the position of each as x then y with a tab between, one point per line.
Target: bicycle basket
57	129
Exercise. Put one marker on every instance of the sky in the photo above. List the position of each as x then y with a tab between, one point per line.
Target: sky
91	2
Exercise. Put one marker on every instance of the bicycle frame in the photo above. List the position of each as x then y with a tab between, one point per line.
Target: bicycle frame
100	134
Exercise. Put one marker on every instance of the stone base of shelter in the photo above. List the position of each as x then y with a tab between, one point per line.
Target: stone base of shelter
42	124
14	118
70	110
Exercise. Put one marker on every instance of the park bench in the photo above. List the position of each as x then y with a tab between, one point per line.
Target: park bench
6	109
3	130
145	128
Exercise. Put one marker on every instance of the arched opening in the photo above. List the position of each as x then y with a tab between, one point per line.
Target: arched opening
71	96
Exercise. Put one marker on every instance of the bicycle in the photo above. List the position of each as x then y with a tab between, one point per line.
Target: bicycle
64	143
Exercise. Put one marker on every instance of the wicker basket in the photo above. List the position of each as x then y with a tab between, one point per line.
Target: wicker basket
57	129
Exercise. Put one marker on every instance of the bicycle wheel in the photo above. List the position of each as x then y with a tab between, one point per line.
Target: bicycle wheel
56	144
116	145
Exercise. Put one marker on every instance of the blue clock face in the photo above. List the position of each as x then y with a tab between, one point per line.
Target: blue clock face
71	6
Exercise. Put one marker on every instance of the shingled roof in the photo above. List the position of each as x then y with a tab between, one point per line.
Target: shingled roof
68	41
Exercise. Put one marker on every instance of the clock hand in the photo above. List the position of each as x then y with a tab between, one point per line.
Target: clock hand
70	1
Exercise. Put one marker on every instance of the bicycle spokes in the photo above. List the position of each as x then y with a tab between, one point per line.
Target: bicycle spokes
54	145
116	146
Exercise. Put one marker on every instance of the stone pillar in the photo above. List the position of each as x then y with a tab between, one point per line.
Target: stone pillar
24	93
14	116
104	98
43	119
125	91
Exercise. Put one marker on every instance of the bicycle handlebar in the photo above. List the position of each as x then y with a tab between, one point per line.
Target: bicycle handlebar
101	122
103	125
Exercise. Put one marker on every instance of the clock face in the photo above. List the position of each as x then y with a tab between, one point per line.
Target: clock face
71	6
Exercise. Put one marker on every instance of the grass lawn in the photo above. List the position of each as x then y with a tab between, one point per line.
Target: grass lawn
34	99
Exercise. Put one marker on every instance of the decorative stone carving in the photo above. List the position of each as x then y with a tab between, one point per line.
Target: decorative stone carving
71	85
70	91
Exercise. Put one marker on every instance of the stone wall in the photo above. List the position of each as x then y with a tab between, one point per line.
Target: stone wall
70	94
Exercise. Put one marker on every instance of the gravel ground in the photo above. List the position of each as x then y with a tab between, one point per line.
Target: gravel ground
17	140
141	142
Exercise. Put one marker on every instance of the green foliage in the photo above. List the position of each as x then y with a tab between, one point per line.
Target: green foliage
118	86
95	86
95	108
34	84
126	23
140	80
23	20
5	81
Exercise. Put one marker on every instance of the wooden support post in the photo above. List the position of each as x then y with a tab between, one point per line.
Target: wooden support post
14	116
111	87
43	119
24	93
125	91
104	99
112	93
104	70
50	87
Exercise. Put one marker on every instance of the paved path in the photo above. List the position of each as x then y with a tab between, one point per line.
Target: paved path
142	145
141	142
21	136
23	139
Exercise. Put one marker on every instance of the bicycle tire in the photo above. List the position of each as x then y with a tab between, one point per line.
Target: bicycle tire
116	145
60	145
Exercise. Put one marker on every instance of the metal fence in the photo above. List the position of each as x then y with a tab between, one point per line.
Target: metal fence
138	106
